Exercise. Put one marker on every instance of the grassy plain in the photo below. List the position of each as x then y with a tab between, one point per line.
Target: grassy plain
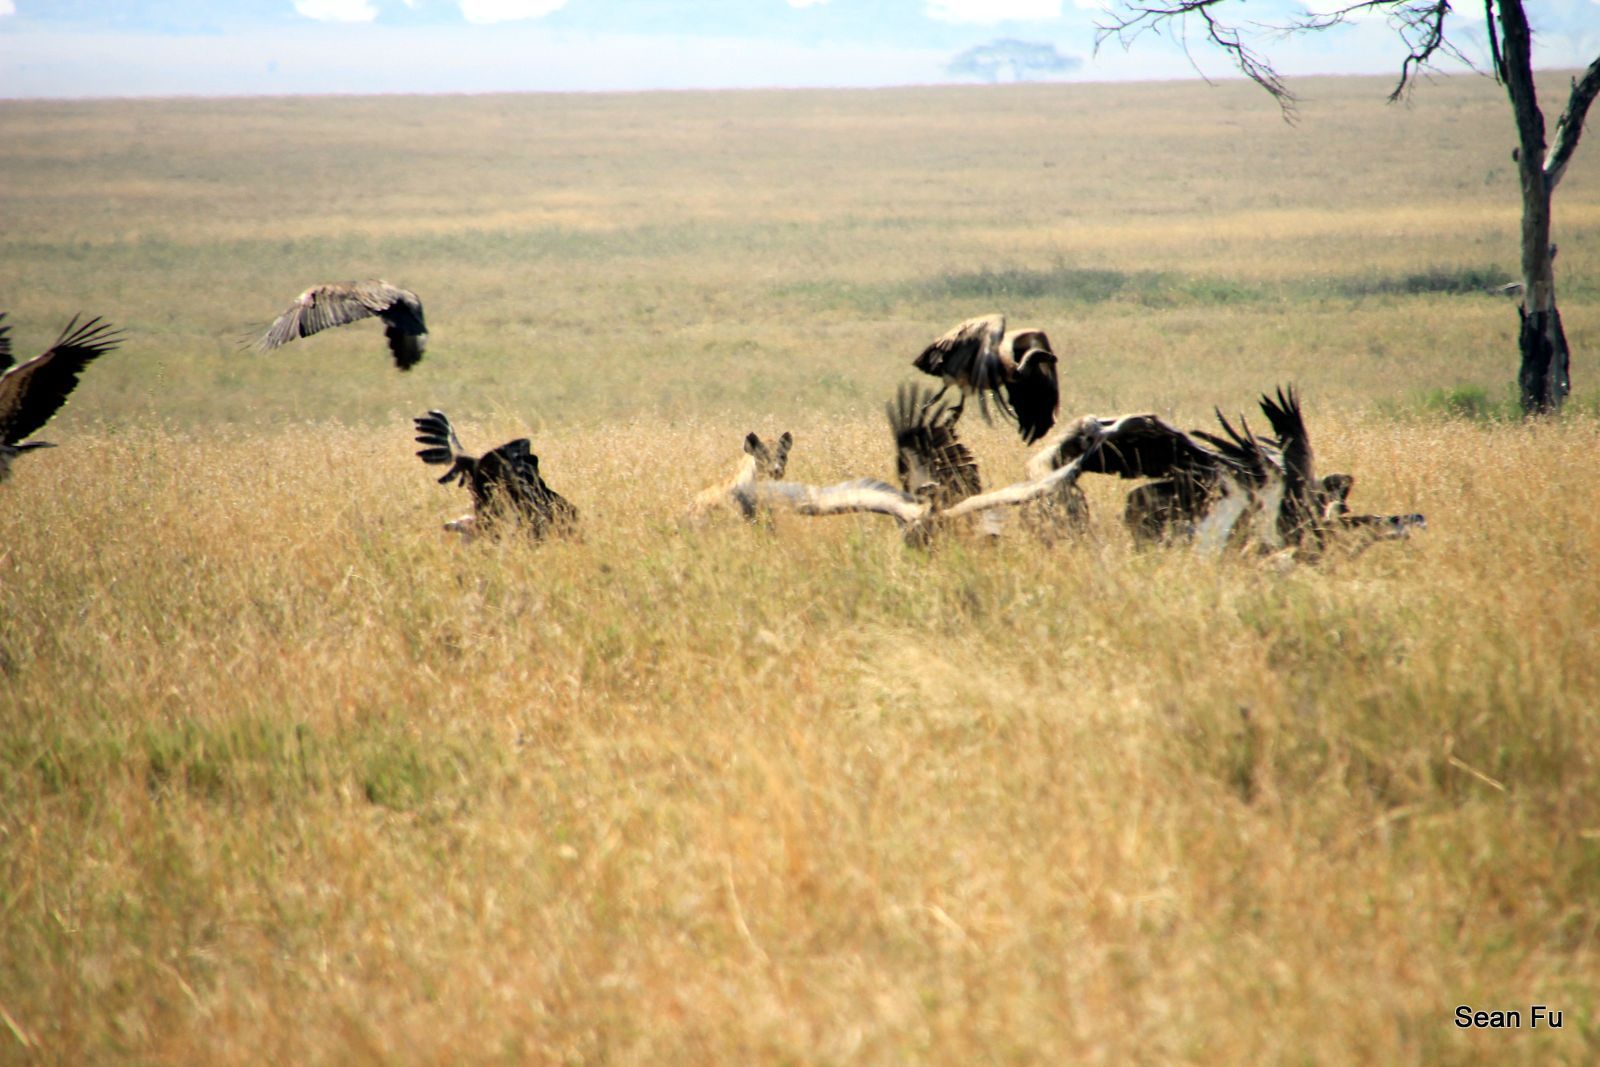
287	775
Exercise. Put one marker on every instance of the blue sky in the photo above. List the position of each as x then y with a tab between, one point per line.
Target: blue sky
73	48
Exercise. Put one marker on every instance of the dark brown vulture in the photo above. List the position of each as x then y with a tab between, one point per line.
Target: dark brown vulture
929	457
1315	507
340	303
505	484
32	392
1018	367
1205	483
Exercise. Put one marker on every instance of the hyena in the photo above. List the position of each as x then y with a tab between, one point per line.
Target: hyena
760	463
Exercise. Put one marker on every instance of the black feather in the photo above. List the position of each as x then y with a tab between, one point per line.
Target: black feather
927	450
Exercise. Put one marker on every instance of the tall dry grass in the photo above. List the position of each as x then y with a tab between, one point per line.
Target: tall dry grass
289	775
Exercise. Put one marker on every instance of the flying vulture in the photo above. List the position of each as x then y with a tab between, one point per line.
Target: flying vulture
32	392
1018	367
340	303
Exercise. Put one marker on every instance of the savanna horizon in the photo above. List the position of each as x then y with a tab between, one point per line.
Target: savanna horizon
291	775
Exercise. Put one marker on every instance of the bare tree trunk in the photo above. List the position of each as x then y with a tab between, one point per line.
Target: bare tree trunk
1543	386
1545	378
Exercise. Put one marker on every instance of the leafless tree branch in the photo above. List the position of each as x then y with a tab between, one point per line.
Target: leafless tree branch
1494	42
1420	24
1421	27
1134	20
1569	127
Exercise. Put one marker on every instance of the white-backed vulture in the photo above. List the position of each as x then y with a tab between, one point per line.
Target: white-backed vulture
505	483
1019	368
340	303
1204	483
32	392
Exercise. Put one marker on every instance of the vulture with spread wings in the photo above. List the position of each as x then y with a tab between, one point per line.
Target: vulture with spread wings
505	483
1019	367
32	392
340	303
1187	469
1204	483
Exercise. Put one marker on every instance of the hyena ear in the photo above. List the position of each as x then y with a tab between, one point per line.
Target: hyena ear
785	443
753	445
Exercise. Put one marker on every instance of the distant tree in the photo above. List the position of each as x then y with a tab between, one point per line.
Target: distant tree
1022	60
1544	378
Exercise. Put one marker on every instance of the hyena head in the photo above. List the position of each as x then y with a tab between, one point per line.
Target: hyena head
761	462
770	461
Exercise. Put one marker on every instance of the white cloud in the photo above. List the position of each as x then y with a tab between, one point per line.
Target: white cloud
1324	8
483	12
991	11
7	7
337	10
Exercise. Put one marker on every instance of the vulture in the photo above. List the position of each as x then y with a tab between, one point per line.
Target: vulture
32	392
938	478
1315	507
340	303
1018	366
505	483
929	457
1188	470
1204	483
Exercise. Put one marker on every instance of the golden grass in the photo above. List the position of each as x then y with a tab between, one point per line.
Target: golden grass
290	775
289	770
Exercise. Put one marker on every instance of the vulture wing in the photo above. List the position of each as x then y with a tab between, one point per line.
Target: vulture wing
32	392
1290	427
1244	451
443	446
967	353
860	495
5	343
927	450
1133	446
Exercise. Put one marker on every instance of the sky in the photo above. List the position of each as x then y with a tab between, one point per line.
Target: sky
98	48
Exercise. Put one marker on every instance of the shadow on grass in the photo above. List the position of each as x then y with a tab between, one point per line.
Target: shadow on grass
1080	286
1088	285
1449	280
